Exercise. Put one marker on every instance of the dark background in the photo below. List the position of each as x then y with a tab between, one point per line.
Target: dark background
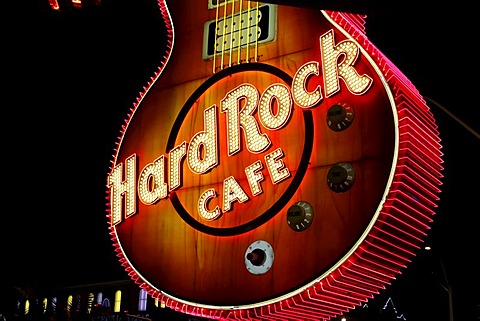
70	78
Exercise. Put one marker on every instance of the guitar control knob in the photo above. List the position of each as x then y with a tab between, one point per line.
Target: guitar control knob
300	216
340	116
341	177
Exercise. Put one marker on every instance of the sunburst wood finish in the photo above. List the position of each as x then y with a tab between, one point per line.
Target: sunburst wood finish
199	264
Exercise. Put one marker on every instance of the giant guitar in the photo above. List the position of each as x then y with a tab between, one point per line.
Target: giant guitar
277	167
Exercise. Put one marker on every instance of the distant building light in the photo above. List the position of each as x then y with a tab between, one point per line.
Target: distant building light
71	4
77	3
54	5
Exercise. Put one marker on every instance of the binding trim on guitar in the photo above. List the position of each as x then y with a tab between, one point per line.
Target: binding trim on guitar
239	27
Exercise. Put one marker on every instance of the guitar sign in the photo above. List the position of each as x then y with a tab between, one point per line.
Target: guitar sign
277	167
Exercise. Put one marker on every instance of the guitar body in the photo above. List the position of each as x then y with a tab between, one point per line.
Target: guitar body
340	193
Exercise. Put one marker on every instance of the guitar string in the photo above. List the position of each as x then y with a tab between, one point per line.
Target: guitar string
257	36
215	40
251	22
224	32
240	15
232	30
247	57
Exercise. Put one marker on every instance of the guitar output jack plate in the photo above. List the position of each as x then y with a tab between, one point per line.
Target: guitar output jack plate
259	257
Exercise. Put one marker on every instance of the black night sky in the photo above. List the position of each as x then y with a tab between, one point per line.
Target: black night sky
71	78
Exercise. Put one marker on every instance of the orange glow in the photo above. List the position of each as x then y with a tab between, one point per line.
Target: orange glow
209	165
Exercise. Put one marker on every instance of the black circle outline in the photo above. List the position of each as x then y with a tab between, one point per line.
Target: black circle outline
297	179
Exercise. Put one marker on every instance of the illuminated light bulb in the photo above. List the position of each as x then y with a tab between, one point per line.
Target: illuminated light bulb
199	162
255	141
281	94
277	169
174	158
356	84
202	205
232	191
118	187
254	177
151	184
301	96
